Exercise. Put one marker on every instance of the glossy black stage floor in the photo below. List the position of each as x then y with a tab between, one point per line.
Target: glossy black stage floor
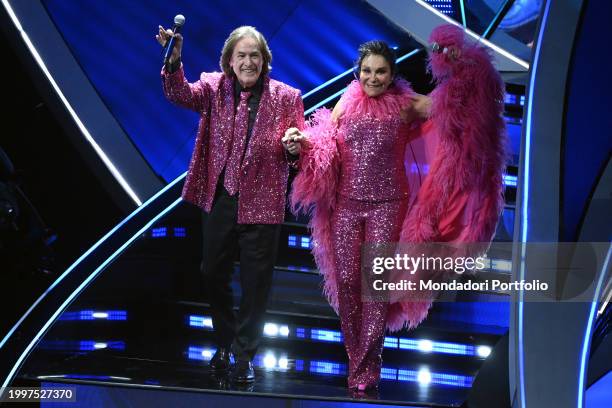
143	325
295	361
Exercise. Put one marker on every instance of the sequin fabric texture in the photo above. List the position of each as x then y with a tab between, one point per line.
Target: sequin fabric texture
372	156
371	205
263	174
363	323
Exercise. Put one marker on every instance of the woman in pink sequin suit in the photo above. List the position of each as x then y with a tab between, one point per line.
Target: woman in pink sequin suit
363	142
353	179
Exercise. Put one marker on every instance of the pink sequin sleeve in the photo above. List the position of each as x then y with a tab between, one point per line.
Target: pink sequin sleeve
298	112
296	120
194	96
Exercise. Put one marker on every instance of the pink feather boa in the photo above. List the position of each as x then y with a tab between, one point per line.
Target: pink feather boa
355	102
314	192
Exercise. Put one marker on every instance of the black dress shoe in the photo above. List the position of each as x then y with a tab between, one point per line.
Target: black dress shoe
221	360
243	372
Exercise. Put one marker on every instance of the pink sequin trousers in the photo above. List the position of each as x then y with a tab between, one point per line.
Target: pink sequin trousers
363	324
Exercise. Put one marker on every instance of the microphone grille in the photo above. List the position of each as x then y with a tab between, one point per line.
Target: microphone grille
179	20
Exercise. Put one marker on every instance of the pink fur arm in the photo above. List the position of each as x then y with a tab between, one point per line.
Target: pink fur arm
318	167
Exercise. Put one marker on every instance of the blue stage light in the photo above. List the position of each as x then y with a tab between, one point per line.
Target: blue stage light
270	329
269	361
299	241
510	180
159	232
299	268
200	353
408	344
388	373
443	6
300	333
407	375
483	351
292	241
452	380
114	315
258	361
426	346
81	345
283	363
425	377
326	335
436	347
326	367
180	232
391	342
463	19
453	348
200	321
90	345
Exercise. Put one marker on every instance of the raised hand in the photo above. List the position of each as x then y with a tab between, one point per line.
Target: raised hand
164	36
419	108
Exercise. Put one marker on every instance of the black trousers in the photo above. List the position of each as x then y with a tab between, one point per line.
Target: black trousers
257	245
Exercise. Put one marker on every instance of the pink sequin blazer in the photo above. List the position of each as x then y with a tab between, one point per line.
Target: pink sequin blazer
265	169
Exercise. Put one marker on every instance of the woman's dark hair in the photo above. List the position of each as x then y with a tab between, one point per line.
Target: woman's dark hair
376	47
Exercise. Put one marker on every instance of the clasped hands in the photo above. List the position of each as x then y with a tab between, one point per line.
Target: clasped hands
293	141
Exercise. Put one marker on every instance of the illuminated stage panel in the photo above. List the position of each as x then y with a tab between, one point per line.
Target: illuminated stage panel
293	369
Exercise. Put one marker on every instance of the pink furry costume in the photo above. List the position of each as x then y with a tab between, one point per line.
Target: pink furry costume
353	180
461	198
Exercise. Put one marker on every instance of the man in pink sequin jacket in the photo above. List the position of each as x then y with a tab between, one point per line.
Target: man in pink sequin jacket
238	175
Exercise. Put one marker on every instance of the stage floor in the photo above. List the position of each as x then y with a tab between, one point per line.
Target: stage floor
300	358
